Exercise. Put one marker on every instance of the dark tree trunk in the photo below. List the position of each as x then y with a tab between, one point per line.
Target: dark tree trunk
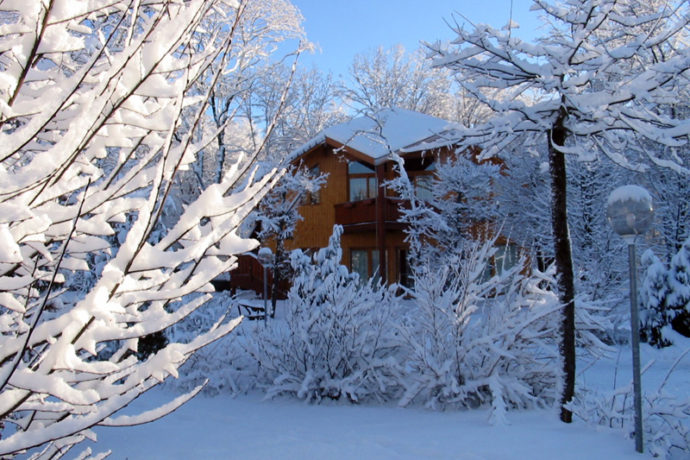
563	260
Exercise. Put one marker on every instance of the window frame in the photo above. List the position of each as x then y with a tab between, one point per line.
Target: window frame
370	254
370	181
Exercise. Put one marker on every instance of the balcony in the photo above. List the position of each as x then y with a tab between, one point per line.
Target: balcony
360	216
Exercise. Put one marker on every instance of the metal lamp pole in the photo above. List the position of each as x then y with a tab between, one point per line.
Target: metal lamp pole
630	213
635	332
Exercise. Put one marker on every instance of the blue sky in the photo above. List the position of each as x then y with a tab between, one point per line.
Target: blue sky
344	28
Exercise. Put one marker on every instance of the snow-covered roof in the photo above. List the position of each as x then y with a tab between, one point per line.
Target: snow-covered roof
389	130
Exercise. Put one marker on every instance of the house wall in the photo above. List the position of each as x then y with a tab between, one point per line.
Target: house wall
318	219
317	224
316	227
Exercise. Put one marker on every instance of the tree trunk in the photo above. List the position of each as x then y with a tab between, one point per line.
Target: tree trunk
563	259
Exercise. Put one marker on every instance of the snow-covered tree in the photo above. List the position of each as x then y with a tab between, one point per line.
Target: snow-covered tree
394	78
474	339
310	106
522	202
263	27
678	298
671	193
337	337
665	295
100	107
456	206
278	214
601	80
653	293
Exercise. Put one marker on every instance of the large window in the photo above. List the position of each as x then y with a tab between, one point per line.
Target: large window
423	186
421	174
506	257
365	262
362	181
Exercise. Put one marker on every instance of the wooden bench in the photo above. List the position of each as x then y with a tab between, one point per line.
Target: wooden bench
251	310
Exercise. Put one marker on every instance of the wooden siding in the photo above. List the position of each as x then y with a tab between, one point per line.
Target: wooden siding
317	221
359	218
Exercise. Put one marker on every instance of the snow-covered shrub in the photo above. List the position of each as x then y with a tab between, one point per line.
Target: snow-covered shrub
665	296
473	339
653	292
221	363
665	414
277	216
678	299
336	339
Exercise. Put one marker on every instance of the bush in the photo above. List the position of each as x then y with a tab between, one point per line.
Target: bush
472	340
665	296
335	341
665	422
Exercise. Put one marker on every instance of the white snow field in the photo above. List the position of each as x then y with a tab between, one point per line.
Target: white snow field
248	427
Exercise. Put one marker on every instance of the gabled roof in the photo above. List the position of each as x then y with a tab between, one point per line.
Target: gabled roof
375	137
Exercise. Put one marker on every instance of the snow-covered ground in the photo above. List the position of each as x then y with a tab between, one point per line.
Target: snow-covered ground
247	427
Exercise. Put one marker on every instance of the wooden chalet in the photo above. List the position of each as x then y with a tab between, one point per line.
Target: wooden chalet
357	156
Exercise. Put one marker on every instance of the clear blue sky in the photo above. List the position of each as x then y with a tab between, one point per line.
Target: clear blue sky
344	28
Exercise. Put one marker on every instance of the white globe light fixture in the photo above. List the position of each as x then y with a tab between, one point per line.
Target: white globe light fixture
630	212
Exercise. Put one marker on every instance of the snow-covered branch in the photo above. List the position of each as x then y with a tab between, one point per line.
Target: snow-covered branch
101	108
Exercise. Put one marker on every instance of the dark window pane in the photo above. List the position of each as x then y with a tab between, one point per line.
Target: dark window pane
359	263
355	167
372	188
423	187
506	257
358	188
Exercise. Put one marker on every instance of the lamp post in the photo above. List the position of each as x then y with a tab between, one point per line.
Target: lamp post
630	212
265	258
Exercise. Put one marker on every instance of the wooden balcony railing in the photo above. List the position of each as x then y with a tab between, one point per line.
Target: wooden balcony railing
364	212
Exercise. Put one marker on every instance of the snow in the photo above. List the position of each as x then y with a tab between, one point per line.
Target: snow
248	427
377	136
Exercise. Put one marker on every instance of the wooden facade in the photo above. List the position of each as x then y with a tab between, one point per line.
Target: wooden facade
370	224
373	241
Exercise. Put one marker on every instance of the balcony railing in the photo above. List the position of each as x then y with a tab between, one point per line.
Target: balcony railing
360	213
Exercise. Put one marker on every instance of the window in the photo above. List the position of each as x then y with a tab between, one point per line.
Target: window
421	173
505	258
362	181
315	196
423	186
365	262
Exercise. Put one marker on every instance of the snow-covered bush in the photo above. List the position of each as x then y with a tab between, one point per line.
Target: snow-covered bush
217	363
100	102
653	293
665	296
336	339
666	414
678	299
473	339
